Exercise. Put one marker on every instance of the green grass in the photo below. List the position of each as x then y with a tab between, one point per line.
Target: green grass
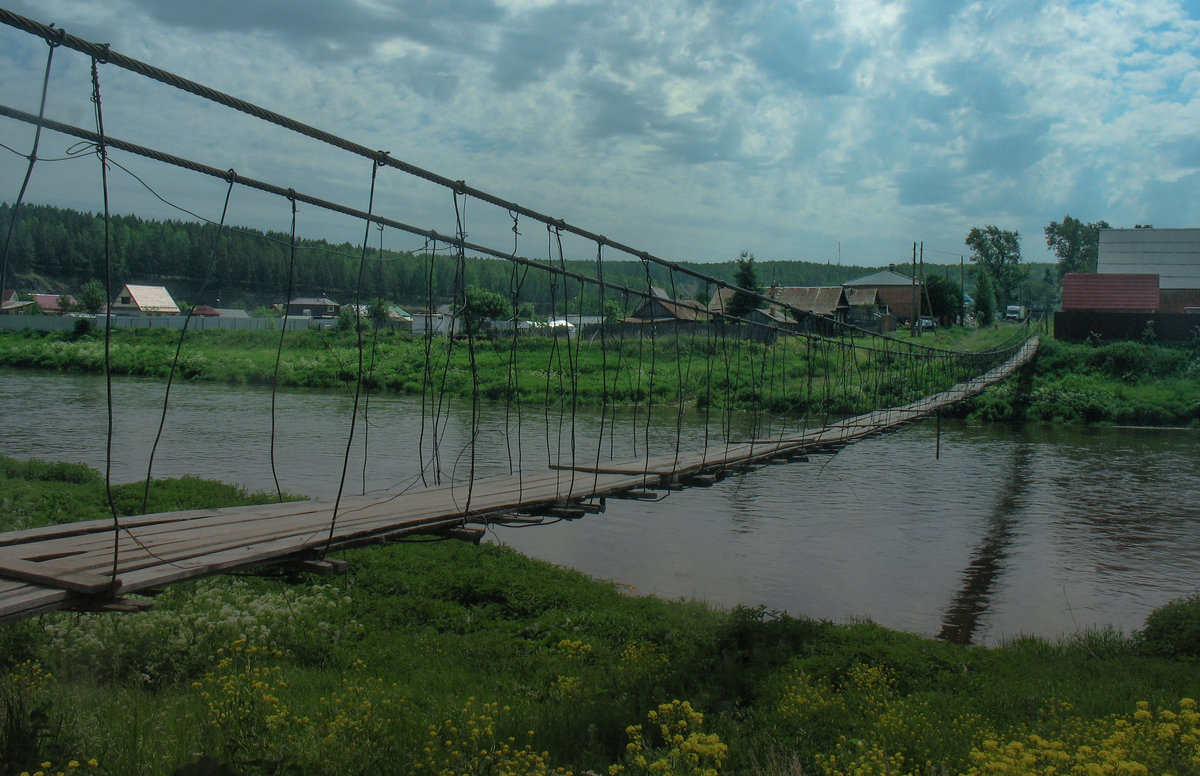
1127	383
430	656
722	371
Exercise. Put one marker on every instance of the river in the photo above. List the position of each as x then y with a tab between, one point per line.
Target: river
1033	530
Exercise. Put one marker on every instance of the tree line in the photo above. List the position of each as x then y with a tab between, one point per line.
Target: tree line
58	250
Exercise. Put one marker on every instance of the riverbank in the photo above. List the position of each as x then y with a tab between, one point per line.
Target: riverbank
441	657
1128	383
1123	383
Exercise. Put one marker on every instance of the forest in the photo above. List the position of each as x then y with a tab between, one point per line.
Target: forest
56	251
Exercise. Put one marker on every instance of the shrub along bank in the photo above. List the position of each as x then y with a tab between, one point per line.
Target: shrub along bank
1127	383
448	658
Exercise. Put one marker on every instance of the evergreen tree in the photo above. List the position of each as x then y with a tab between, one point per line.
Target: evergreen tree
740	305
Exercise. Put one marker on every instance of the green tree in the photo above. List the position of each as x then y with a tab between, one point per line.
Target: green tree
985	300
479	304
92	297
998	251
745	276
347	318
377	311
943	298
1076	244
613	312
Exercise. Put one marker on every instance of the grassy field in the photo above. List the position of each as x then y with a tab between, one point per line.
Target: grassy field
437	657
723	370
1138	383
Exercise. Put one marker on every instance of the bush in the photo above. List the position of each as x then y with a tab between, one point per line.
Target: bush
1173	630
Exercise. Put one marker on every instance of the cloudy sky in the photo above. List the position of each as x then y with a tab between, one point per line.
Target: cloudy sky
692	129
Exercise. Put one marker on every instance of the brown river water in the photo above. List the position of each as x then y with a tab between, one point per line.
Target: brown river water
1033	530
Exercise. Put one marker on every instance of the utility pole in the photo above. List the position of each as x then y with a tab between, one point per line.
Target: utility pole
922	291
913	316
962	297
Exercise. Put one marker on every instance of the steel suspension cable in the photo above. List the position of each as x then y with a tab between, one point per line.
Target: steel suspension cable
679	378
377	317
162	420
604	394
287	308
337	502
427	373
460	219
517	276
653	365
102	154
33	157
572	359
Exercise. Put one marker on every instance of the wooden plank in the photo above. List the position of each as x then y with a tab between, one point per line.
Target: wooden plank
54	574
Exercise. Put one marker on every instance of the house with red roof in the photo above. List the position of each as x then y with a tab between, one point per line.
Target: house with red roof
1129	292
1147	286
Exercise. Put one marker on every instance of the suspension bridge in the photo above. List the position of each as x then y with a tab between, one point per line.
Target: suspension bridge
814	384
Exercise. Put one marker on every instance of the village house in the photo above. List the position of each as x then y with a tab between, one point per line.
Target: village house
894	293
1113	292
825	301
1173	255
51	304
47	304
313	307
12	304
660	308
144	300
1147	285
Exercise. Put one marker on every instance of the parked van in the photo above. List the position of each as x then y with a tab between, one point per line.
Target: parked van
1014	312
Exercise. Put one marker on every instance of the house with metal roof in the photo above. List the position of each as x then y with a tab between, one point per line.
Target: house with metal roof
12	304
52	304
1171	254
1147	286
144	300
660	308
314	307
826	301
893	291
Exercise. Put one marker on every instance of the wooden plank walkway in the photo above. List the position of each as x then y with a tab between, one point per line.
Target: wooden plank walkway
71	565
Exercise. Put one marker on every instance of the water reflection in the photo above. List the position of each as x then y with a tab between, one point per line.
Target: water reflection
962	617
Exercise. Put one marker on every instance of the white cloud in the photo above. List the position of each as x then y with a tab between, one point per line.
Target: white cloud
692	127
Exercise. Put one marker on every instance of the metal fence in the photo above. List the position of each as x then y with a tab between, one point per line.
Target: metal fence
67	322
1164	327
